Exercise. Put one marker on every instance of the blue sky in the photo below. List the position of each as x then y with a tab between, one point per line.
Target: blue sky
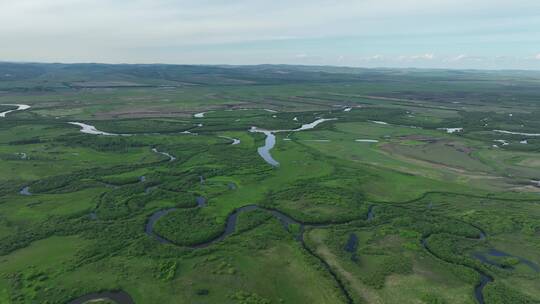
493	34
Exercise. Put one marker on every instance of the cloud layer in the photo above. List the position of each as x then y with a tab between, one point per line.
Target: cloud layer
424	33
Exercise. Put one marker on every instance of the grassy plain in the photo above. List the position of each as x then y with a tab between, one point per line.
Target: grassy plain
416	197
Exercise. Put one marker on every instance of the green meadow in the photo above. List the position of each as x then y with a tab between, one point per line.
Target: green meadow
379	205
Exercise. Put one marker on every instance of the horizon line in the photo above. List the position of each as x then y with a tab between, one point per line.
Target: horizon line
275	64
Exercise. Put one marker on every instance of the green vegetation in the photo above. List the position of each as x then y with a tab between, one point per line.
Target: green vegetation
449	209
188	227
251	219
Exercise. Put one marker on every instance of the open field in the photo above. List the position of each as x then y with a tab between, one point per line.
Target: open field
405	194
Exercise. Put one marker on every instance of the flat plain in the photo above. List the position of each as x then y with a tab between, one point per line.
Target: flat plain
388	186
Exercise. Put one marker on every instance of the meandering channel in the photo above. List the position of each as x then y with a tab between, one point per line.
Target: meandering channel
235	141
516	133
230	225
230	228
119	297
149	228
270	140
89	129
484	278
269	143
171	158
231	220
284	219
20	107
485	258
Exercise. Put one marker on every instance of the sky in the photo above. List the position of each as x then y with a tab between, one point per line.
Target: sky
458	34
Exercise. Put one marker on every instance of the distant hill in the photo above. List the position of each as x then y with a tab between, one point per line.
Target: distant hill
44	76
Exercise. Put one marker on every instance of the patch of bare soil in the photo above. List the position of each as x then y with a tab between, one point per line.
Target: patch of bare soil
460	148
422	138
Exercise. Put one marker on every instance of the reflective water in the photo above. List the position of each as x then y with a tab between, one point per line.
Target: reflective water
119	297
25	191
171	158
270	140
89	129
20	107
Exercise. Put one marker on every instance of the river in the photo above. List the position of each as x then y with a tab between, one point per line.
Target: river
270	140
89	129
20	107
484	278
235	141
119	297
516	133
171	158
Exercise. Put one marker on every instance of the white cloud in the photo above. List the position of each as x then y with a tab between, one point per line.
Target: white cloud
459	57
218	31
424	56
373	58
463	58
476	58
427	56
537	57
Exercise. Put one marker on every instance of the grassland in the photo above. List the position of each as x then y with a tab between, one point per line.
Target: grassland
415	196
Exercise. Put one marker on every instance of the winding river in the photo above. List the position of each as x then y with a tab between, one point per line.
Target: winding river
20	107
149	228
231	221
235	141
171	158
485	258
352	242
516	133
89	129
484	278
230	225
269	144
270	140
120	297
230	228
